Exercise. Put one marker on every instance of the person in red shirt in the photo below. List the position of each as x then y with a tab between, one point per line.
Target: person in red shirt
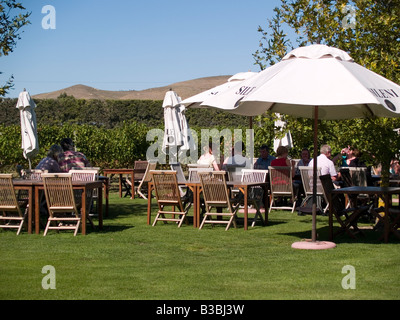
281	159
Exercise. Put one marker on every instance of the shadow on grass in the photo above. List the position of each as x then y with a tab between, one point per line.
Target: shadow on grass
366	236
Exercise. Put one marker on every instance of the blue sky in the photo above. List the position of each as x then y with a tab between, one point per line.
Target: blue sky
134	45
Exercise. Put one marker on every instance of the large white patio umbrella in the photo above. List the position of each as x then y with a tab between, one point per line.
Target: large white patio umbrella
317	82
30	142
176	133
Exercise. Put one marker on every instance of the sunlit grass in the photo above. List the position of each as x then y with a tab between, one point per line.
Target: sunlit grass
131	260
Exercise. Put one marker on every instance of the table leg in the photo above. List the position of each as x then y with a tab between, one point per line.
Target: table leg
196	206
100	206
150	190
37	210
133	185
83	218
386	219
246	209
120	185
330	217
30	209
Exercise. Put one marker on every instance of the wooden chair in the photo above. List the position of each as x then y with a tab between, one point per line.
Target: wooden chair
256	194
307	174
63	211
394	215
168	195
234	172
179	175
146	178
194	173
281	184
216	195
357	176
347	217
139	168
12	214
92	195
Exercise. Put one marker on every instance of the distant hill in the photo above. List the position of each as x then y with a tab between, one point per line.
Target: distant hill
184	89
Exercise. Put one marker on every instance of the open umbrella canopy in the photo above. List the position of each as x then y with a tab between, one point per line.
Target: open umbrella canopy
196	100
30	143
315	75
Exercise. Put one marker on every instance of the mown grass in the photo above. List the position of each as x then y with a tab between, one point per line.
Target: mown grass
129	260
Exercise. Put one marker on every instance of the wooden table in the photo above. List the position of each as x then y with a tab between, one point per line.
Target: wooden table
195	187
34	187
120	172
385	193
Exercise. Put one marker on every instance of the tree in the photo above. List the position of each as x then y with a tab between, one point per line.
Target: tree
369	30
10	26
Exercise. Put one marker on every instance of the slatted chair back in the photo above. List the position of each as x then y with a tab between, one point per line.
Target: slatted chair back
256	193
151	165
346	177
61	203
307	174
254	175
216	195
234	172
179	171
139	168
358	176
12	215
338	203
168	197
194	173
281	185
85	175
36	174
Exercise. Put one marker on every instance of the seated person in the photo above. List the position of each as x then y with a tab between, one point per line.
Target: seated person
327	166
237	159
350	157
304	160
208	158
71	158
264	161
50	163
281	159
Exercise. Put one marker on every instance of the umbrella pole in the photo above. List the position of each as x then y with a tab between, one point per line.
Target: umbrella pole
314	196
314	244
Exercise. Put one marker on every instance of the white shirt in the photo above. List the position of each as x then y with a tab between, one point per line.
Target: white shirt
327	166
207	159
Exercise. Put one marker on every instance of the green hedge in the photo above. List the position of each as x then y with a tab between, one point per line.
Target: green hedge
66	110
111	148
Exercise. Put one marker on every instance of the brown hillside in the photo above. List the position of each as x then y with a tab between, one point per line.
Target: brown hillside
184	89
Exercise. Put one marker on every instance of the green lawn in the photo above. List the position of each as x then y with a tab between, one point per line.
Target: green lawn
131	260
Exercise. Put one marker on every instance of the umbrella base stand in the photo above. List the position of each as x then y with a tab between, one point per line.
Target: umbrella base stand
313	245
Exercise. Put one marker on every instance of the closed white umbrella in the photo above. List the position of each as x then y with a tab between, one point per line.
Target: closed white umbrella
30	143
176	133
317	82
286	139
